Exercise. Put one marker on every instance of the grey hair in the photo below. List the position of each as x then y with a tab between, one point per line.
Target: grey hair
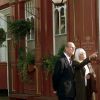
78	52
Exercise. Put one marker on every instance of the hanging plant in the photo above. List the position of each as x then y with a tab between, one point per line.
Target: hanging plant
19	28
50	61
2	36
24	59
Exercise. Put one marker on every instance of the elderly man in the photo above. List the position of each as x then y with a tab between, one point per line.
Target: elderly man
63	76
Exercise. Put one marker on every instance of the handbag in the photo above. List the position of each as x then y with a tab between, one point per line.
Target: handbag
91	82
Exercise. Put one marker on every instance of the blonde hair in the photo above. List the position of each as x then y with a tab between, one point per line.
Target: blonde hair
78	52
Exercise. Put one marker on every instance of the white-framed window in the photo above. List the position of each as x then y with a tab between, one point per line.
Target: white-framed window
29	15
59	26
4	13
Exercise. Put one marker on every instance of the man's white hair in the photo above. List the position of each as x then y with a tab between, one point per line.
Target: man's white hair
78	52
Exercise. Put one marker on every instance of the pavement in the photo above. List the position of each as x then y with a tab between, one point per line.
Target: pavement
3	98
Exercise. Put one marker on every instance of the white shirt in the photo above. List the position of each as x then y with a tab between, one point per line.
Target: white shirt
67	57
86	73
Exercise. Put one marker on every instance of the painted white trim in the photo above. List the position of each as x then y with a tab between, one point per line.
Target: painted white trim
98	2
3	13
7	71
53	10
99	14
6	11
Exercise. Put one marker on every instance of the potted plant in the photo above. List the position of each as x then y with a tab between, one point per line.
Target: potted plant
19	28
2	36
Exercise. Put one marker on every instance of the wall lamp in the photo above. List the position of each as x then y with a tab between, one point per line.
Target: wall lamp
59	2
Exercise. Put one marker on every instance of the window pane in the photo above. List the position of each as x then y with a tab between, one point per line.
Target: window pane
3	54
62	24
28	35
31	45
56	22
33	29
30	40
62	21
62	12
30	15
8	32
59	41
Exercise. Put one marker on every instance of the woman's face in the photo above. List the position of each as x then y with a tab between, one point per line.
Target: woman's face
82	56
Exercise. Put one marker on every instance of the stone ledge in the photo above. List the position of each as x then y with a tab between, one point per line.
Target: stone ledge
30	97
21	97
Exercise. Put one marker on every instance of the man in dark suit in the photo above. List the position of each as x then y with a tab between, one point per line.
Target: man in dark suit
63	76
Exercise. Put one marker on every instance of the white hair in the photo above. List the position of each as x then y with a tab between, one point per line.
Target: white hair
78	52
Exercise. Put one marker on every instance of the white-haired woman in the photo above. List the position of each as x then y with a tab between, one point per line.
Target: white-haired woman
82	77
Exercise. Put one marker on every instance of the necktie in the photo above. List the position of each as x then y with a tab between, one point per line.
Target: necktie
70	61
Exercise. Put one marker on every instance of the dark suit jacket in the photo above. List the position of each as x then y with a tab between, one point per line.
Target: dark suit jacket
63	76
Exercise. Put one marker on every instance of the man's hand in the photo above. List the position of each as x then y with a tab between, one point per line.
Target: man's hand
54	92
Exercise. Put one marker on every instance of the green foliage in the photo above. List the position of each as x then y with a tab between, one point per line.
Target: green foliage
19	28
2	36
60	51
24	59
30	59
50	61
21	59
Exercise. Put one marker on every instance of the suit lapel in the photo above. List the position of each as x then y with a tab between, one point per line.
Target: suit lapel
68	64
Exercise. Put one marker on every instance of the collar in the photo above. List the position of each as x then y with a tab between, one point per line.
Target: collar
67	56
